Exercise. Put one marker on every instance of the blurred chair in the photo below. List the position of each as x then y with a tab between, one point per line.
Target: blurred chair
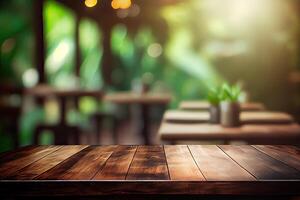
11	110
62	134
101	117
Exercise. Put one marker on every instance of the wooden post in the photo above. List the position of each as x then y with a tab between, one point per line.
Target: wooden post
77	46
38	20
107	58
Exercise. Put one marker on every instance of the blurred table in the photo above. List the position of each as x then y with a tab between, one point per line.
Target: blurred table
251	134
262	117
63	95
144	101
138	98
256	128
204	105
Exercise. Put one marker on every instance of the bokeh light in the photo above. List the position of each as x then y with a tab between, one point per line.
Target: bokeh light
154	50
120	4
90	3
30	77
134	10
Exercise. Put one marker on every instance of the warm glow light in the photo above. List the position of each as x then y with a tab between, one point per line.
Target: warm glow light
90	3
115	4
123	4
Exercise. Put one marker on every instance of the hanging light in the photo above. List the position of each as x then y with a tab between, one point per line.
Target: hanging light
120	4
90	3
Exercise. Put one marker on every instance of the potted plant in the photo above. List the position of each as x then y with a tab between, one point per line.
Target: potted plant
213	98
230	107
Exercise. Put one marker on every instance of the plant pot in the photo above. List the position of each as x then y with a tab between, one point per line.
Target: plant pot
214	111
230	114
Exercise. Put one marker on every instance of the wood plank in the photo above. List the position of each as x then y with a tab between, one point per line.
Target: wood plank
216	165
24	159
149	163
262	166
81	166
117	165
181	164
87	162
21	152
290	155
46	163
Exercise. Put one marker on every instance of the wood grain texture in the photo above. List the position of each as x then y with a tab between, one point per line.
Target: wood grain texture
117	165
181	164
19	153
226	168
262	166
35	169
24	159
149	163
217	166
290	155
83	165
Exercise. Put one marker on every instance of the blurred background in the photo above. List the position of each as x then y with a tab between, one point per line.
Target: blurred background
181	47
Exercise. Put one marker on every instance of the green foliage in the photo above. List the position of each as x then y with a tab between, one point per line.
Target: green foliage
230	93
224	93
214	96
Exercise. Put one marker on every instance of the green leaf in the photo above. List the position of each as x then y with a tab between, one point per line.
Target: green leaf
230	93
213	96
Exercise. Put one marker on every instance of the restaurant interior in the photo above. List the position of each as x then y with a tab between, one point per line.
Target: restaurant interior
107	55
137	72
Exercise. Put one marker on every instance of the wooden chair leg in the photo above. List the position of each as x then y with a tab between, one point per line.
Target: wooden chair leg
115	130
98	124
76	135
36	135
15	136
14	129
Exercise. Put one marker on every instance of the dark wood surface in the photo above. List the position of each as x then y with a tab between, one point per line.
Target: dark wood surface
170	169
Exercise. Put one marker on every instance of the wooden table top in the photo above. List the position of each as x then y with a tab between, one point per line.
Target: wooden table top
46	91
138	98
263	117
252	133
181	169
204	105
